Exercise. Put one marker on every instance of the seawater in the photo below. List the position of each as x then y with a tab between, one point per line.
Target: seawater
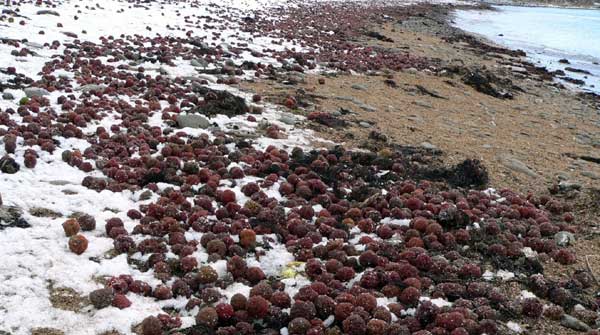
545	34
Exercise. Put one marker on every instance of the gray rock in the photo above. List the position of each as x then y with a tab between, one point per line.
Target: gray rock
8	96
145	195
192	121
91	87
59	182
429	146
422	103
591	175
31	92
344	98
415	118
47	12
364	124
583	138
294	79
367	108
411	70
360	87
288	119
199	62
564	238
574	323
567	186
516	165
34	45
8	165
42	212
245	134
12	216
197	86
101	298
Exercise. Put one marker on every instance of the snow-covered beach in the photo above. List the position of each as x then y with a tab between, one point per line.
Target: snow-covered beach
142	179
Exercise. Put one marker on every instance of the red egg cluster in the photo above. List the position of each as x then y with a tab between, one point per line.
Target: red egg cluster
333	35
417	240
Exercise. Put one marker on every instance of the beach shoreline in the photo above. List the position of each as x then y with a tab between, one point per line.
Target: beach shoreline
478	50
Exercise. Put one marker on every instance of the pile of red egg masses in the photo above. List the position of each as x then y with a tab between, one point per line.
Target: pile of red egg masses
378	247
333	35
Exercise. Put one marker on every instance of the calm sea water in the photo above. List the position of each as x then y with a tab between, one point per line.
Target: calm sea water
546	34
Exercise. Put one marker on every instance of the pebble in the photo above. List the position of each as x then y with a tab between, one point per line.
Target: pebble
367	108
34	45
574	323
415	118
516	165
91	87
288	119
145	195
564	238
422	103
591	175
11	216
364	124
428	146
8	165
294	79
59	182
199	62
583	139
192	121
31	92
567	185
7	96
359	87
345	98
48	12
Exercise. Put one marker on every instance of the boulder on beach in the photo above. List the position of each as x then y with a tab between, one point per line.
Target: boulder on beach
31	92
192	121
